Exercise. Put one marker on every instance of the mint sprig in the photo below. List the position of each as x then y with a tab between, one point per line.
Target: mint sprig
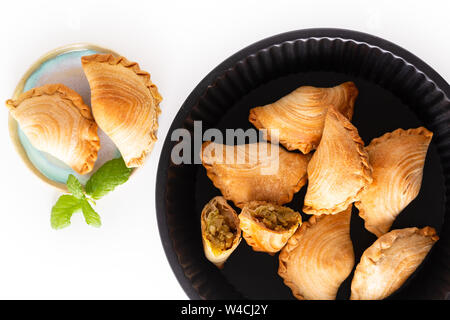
112	174
92	218
63	210
74	186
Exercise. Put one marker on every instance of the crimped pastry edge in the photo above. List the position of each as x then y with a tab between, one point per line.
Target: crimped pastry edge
77	101
112	60
145	76
354	92
211	175
376	141
366	169
399	133
375	252
305	148
50	90
94	143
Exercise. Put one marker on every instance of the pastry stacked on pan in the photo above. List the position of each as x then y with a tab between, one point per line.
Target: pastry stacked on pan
125	105
320	146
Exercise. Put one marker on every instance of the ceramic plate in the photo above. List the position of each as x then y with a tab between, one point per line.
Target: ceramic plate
61	65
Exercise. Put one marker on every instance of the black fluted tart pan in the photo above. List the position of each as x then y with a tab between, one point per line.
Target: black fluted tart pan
396	90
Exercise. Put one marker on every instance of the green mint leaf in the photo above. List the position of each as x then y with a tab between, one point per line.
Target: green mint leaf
63	210
92	218
107	178
74	186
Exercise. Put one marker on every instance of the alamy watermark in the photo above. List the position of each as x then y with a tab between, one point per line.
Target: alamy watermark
235	147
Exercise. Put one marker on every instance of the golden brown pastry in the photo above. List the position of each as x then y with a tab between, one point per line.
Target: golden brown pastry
389	261
300	115
318	257
55	120
267	227
221	233
258	171
338	170
397	159
125	104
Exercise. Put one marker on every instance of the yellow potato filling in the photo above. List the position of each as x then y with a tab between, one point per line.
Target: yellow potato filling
276	218
219	230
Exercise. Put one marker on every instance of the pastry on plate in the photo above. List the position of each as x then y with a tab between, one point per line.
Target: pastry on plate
267	227
55	120
299	116
221	233
125	104
318	257
256	171
397	159
389	261
338	170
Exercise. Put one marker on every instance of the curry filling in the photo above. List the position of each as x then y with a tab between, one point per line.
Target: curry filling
220	231
276	218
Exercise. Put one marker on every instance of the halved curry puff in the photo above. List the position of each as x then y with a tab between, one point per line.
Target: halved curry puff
266	226
221	233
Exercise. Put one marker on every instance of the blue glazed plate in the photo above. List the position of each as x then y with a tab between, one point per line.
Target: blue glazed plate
62	65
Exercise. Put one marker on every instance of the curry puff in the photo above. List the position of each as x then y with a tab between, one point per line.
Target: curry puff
389	261
125	104
397	159
267	227
55	120
221	233
339	169
318	257
256	171
299	117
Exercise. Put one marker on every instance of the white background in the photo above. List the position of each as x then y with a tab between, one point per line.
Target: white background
178	42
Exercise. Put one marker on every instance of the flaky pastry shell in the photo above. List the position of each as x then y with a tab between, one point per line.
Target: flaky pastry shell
339	169
389	261
299	116
272	176
318	257
217	256
125	104
397	159
258	235
55	120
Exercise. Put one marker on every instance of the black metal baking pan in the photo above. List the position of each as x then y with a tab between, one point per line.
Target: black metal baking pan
396	90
